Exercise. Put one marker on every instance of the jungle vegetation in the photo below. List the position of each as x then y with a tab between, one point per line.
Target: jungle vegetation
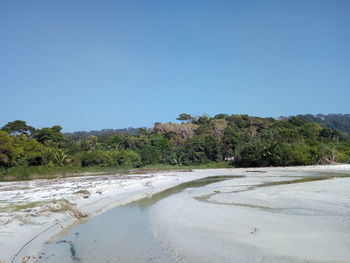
339	122
231	140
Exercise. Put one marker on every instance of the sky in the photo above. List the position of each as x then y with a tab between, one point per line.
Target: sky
90	65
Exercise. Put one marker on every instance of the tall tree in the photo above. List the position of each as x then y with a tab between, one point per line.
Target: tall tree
186	117
18	127
52	135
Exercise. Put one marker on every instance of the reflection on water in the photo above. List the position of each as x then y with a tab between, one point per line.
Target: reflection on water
121	234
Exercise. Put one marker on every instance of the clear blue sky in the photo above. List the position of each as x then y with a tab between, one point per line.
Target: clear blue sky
112	64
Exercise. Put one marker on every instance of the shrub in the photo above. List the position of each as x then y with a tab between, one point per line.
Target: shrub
100	158
125	158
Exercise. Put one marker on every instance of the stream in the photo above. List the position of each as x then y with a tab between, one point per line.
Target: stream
131	233
121	234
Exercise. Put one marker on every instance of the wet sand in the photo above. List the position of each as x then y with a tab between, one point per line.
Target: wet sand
257	219
232	217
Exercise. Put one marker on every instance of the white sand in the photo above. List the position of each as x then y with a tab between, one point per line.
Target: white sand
39	222
303	222
17	228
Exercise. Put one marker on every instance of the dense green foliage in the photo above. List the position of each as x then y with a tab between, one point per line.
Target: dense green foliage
339	122
239	140
104	132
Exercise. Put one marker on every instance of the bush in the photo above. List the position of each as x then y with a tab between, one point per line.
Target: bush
125	158
149	155
295	154
99	158
54	157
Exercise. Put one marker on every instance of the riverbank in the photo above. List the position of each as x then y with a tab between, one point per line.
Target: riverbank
32	212
268	216
45	172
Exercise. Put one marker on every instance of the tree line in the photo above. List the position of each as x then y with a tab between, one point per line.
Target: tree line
240	140
339	122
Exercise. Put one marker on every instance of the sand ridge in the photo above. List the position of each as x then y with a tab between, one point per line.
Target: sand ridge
31	212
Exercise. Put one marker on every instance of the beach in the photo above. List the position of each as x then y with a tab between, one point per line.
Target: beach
33	212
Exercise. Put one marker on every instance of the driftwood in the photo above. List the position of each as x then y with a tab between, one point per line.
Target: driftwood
19	251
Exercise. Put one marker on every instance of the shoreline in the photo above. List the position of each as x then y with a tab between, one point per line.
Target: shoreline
32	212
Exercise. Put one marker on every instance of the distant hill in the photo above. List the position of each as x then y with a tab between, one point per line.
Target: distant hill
340	122
81	135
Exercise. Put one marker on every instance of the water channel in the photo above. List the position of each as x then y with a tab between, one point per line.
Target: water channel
125	234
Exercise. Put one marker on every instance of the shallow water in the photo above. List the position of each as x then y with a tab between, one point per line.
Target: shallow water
121	234
260	219
310	178
151	229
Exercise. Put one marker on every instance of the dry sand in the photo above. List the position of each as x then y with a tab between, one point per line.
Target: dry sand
32	212
249	220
